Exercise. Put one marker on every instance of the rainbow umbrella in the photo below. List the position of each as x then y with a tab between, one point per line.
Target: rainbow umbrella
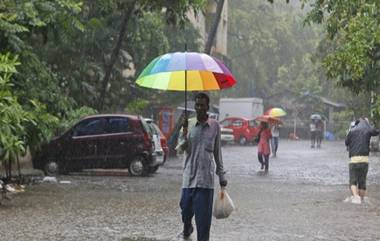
201	72
186	71
275	112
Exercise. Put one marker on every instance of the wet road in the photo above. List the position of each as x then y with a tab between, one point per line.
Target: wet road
300	199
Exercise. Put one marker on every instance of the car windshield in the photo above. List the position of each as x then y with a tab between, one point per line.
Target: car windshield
252	123
238	123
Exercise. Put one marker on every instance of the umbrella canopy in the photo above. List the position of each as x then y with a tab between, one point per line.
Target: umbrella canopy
275	112
268	119
316	117
171	71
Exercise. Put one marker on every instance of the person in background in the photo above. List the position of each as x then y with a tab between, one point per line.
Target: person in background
275	131
319	126
263	147
357	142
313	132
203	158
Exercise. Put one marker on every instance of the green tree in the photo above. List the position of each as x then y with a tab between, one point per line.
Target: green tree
272	53
30	96
353	33
21	126
88	52
23	26
174	13
350	50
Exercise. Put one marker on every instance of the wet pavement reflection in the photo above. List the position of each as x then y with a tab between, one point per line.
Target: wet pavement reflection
301	198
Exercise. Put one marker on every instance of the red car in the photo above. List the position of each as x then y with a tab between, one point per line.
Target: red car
244	130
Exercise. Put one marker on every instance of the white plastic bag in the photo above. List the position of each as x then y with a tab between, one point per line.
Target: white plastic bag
223	205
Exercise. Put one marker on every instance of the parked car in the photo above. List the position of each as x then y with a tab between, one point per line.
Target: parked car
159	138
244	130
102	141
227	135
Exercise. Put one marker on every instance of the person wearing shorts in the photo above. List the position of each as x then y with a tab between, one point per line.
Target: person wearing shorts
357	142
358	172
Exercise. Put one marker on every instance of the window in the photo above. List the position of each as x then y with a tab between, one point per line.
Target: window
152	129
226	123
252	123
238	123
118	125
90	127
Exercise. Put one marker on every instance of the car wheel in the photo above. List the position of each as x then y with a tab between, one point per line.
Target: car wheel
243	141
136	167
51	168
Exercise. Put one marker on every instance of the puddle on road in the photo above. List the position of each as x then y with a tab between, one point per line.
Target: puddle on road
153	239
143	239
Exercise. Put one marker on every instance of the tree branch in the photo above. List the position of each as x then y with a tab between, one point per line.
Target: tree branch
115	54
214	27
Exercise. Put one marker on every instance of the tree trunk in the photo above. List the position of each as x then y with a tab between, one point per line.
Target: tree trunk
114	55
214	27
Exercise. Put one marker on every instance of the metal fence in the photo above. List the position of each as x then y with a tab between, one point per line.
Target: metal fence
301	128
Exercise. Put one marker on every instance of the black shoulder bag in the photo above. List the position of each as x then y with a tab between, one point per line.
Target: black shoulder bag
257	138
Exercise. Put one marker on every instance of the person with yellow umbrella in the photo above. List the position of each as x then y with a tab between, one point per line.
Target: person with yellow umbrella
263	139
275	128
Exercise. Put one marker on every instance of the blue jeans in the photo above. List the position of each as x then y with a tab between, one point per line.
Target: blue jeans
198	202
274	143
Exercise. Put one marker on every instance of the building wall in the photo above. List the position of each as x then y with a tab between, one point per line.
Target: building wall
221	37
200	22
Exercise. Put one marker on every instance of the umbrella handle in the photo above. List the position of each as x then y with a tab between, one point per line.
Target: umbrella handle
185	125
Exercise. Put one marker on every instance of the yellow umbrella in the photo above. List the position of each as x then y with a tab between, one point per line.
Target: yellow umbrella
275	112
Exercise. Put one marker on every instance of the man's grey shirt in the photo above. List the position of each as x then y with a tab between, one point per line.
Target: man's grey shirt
203	155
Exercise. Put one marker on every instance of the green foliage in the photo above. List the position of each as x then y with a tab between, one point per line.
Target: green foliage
342	122
174	11
137	106
63	48
30	95
24	27
11	114
72	117
19	16
40	126
19	127
272	56
354	29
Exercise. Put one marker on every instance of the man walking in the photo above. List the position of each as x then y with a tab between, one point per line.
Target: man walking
313	133
319	126
203	159
357	142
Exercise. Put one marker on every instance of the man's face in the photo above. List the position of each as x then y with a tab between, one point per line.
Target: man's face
201	107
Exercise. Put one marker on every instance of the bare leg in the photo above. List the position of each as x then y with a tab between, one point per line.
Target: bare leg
356	199
354	190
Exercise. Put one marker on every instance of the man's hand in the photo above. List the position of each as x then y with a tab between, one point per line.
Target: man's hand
222	181
185	126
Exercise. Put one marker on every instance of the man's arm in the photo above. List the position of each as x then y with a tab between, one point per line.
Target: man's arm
374	131
182	143
348	137
218	159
